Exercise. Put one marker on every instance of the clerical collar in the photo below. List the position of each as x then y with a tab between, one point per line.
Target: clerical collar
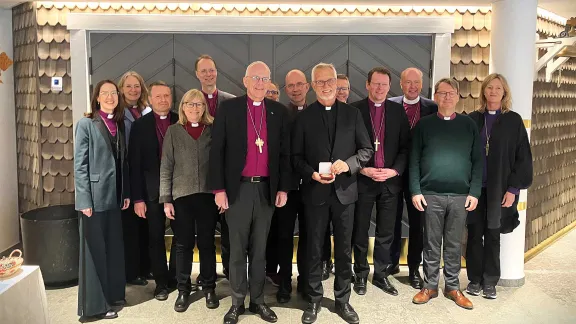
493	112
164	117
160	116
451	117
106	115
410	102
211	95
377	105
194	124
300	107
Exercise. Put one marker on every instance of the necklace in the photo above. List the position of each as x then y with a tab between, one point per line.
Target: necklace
259	142
377	133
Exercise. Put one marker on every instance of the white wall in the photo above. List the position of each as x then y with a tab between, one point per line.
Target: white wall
9	221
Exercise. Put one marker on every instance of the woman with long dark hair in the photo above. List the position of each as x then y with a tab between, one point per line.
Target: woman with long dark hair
102	191
507	170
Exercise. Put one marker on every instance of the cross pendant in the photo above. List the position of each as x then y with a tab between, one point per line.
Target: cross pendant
259	142
376	143
487	148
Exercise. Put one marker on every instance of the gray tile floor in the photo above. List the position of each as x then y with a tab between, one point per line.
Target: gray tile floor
547	297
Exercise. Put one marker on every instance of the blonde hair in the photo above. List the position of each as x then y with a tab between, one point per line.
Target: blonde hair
506	98
143	100
192	94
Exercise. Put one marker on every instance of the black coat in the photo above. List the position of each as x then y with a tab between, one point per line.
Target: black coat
396	143
509	164
229	147
144	157
311	145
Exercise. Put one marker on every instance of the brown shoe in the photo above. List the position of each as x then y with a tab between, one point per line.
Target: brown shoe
424	296
458	297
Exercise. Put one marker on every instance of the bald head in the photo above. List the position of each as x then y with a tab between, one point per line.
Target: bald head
296	87
256	66
256	79
411	82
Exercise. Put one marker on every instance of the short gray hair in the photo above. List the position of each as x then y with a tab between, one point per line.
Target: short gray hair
320	66
449	81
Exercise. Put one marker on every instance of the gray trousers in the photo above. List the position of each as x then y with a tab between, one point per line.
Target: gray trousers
444	220
249	219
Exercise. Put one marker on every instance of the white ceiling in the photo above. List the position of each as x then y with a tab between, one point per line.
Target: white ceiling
564	8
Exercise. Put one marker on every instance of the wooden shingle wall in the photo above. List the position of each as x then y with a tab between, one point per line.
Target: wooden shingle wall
552	197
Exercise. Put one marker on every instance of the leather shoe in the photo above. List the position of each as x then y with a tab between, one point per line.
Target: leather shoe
161	293
138	281
360	285
326	265
264	311
347	313
233	313
311	313
212	301
284	290
384	284
473	288
108	315
415	279
181	304
424	296
458	297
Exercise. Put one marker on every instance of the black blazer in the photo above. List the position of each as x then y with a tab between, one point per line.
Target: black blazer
229	147
396	143
427	106
144	157
311	145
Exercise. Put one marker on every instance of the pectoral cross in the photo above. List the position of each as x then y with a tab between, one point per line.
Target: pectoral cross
376	143
487	148
259	142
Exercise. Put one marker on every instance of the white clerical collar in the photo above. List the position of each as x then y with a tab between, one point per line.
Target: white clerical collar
194	124
164	117
328	108
410	102
110	116
378	105
300	107
210	96
447	118
257	103
492	112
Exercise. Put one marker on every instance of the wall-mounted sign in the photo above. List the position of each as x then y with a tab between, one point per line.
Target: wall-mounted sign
5	63
56	84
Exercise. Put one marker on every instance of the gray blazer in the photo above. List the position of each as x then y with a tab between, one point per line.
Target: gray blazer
184	166
95	166
129	119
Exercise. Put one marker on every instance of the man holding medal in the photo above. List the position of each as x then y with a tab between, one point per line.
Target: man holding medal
330	144
380	181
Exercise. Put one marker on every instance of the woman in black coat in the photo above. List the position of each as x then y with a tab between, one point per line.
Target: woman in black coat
507	170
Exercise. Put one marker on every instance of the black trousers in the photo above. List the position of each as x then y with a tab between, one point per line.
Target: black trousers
483	246
101	281
249	219
137	256
156	217
317	219
415	234
280	244
224	243
386	208
195	220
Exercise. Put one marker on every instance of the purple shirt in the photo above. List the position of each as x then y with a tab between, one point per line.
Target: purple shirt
162	125
256	162
378	128
212	102
110	123
413	112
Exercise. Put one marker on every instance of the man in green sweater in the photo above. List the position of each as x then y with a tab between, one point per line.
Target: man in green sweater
445	181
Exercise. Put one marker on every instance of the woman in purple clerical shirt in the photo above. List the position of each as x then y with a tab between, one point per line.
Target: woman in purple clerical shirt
507	169
102	191
134	99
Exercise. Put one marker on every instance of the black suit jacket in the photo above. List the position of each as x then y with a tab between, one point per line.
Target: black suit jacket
144	157
311	145
229	147
396	143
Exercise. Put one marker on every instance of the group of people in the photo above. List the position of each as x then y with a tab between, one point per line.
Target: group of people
256	166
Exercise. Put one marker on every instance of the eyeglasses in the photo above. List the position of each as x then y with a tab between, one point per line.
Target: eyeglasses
343	89
194	104
272	92
298	85
108	93
207	71
445	94
257	79
321	83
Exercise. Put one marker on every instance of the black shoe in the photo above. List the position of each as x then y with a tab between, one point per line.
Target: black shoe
108	315
415	279
212	301
233	313
311	313
347	313
360	285
264	311
473	288
149	276
161	292
325	270
138	281
284	290
199	281
489	292
394	269
385	284
181	304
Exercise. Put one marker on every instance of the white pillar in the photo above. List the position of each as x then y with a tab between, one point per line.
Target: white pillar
512	52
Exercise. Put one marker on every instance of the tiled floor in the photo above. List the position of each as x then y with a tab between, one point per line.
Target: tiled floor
547	297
